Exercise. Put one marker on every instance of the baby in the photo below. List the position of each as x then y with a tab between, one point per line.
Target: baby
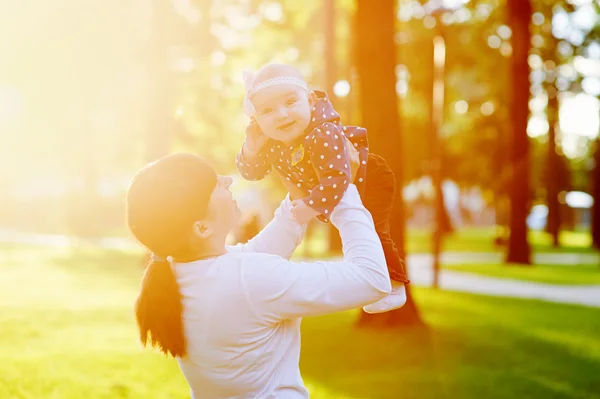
296	131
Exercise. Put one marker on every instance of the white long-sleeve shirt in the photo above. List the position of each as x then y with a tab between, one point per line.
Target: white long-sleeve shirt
242	310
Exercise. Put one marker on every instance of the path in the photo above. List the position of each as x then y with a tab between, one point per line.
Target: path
589	295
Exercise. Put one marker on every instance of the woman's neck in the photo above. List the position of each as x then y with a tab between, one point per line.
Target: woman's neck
205	252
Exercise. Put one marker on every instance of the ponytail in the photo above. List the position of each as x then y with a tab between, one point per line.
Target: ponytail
164	200
159	311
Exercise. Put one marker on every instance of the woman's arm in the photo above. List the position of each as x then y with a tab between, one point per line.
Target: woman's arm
279	289
283	234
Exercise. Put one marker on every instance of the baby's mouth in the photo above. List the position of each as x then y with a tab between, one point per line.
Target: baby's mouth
286	126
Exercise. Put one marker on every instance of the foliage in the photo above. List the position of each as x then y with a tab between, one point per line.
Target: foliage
89	100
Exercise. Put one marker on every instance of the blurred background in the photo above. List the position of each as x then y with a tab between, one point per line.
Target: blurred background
487	110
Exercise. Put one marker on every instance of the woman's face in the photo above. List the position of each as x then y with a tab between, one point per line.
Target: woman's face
224	212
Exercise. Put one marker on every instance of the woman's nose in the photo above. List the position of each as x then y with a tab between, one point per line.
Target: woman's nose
227	181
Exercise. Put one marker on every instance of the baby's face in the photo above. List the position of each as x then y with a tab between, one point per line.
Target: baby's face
283	112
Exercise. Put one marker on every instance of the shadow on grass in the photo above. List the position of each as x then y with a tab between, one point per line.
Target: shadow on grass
474	349
369	364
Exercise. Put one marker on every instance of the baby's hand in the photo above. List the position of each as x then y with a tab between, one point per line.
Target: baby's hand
255	139
354	159
302	213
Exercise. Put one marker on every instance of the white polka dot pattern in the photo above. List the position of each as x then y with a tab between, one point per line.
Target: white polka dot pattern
328	154
324	165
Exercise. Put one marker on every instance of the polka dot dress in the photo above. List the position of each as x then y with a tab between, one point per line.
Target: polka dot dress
316	161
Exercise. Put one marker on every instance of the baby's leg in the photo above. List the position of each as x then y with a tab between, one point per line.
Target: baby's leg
378	198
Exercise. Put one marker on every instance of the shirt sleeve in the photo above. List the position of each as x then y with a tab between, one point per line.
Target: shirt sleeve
281	236
278	289
330	162
253	169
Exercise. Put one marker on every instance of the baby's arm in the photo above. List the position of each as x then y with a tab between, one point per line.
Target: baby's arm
253	159
333	168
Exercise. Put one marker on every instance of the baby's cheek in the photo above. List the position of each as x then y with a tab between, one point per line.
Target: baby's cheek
262	123
270	131
305	118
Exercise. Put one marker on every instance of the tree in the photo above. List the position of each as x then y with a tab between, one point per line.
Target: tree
438	79
474	133
552	161
595	183
519	16
592	38
375	23
335	242
556	174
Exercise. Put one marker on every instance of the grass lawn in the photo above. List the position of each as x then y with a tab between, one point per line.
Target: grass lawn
68	332
469	239
551	274
482	240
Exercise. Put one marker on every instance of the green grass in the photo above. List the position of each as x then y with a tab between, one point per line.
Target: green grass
471	239
482	240
68	332
551	274
468	239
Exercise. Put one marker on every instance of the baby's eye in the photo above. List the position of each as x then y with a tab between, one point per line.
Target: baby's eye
266	111
291	101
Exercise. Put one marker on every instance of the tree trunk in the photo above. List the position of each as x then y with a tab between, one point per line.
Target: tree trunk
441	217
333	236
553	165
519	12
376	62
595	183
552	169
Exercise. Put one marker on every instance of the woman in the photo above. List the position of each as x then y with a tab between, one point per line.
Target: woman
231	315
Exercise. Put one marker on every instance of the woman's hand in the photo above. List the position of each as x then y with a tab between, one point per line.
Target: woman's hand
303	213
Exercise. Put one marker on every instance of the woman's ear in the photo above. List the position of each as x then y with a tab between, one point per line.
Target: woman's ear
202	230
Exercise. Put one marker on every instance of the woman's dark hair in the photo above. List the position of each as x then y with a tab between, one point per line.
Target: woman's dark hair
164	200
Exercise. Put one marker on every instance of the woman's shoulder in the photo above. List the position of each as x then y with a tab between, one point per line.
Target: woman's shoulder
239	252
254	262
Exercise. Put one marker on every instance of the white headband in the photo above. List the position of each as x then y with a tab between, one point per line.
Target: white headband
248	77
282	80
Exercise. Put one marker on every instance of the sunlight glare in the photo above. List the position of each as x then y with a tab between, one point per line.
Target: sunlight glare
579	115
272	11
487	108
494	41
461	107
341	88
11	104
537	126
504	32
